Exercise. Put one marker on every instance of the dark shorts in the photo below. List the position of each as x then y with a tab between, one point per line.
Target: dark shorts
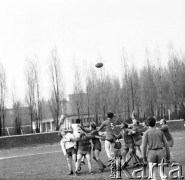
138	142
111	138
156	156
97	146
70	151
84	152
129	146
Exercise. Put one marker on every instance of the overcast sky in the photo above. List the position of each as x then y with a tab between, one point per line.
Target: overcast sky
83	30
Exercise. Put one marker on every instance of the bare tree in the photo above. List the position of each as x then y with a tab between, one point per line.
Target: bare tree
177	83
78	98
17	116
125	80
149	87
135	90
89	85
3	90
93	92
58	90
33	95
17	105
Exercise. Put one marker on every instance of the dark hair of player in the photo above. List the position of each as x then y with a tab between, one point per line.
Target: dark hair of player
151	121
124	125
78	121
110	115
93	126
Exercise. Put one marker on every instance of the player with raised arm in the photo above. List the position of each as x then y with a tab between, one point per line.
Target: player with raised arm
126	134
136	134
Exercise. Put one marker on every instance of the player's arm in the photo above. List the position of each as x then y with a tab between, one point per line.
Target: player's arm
87	130
102	126
90	136
63	147
166	147
145	141
163	128
75	139
94	132
65	140
98	137
130	131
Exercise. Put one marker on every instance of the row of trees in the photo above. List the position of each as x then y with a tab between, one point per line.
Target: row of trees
33	99
153	90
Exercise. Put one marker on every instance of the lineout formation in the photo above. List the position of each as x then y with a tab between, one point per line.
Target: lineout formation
143	142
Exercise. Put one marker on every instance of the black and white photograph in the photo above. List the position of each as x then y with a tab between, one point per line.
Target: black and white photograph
92	89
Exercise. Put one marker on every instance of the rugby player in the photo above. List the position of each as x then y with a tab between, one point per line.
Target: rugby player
166	130
96	145
68	150
129	142
110	138
155	139
76	131
136	134
84	149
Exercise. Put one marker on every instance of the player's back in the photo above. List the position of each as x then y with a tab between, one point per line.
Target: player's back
110	126
155	138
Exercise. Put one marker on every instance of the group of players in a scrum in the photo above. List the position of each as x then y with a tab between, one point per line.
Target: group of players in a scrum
78	145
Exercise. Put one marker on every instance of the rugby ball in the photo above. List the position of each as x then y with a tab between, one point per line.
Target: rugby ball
99	65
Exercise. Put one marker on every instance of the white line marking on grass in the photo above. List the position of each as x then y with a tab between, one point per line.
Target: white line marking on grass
52	152
11	157
179	137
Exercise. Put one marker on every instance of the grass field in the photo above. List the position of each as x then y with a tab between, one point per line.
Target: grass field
48	162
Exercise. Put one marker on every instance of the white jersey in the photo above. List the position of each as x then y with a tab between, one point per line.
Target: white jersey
66	143
76	130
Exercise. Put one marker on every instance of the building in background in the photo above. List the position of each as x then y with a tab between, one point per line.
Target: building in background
72	108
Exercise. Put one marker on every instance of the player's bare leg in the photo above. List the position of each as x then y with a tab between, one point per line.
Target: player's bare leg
69	163
88	157
79	157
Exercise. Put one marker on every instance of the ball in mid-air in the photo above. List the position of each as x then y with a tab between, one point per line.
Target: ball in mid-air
99	65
